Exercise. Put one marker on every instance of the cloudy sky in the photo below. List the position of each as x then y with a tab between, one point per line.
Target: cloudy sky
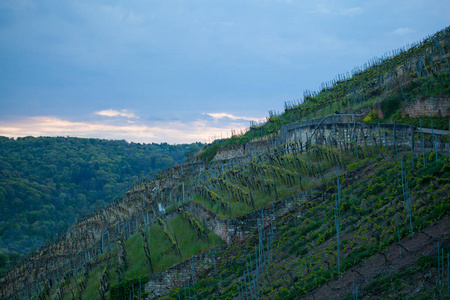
184	70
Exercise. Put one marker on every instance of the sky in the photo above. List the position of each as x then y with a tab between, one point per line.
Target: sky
181	71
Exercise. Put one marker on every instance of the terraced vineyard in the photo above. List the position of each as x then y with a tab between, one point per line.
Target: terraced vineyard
328	208
383	213
131	260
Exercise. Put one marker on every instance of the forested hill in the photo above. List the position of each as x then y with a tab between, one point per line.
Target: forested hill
47	182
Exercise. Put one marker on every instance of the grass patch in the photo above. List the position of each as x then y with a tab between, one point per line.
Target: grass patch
93	284
161	252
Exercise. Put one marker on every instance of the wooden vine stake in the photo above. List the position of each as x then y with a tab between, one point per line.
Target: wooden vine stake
336	221
146	248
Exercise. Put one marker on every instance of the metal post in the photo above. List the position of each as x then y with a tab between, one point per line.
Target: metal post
398	234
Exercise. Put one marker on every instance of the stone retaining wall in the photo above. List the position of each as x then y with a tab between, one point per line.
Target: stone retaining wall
240	228
434	106
232	151
340	132
175	276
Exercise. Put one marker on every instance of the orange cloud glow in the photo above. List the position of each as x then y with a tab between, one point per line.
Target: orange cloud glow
170	132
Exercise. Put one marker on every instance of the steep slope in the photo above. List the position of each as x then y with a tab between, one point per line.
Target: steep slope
314	209
380	91
381	236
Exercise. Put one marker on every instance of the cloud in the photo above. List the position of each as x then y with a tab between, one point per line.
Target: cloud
218	116
402	31
328	9
352	11
116	113
158	132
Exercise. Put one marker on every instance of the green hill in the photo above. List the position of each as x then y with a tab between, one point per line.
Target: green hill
47	183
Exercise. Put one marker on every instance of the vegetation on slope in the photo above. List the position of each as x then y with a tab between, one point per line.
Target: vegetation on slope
356	221
246	187
138	270
393	80
392	103
46	183
301	255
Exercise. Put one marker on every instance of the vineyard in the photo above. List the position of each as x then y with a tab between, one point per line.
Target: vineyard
360	229
329	200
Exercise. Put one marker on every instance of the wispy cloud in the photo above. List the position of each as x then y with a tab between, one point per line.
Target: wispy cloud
328	9
351	11
402	31
218	116
168	131
116	113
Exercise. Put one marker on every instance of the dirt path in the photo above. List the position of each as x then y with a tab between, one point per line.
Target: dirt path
390	262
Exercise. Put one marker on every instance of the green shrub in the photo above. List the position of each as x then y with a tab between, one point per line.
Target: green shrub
427	261
122	290
302	252
391	104
209	153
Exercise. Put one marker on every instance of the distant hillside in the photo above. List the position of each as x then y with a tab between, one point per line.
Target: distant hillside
47	182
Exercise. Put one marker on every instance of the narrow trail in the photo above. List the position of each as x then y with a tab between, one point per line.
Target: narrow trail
386	263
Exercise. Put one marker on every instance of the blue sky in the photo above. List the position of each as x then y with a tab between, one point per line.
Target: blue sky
183	71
